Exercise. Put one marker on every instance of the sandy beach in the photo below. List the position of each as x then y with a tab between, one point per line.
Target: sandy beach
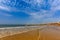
30	33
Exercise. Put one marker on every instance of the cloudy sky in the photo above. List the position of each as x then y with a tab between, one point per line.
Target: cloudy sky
29	11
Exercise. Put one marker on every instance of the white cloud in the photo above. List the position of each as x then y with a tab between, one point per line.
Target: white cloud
42	14
55	5
4	8
39	16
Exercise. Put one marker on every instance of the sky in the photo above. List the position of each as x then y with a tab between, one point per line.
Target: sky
29	11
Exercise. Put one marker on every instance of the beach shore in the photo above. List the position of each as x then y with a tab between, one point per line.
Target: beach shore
31	33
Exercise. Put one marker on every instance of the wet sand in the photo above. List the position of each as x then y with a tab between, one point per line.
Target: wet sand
32	33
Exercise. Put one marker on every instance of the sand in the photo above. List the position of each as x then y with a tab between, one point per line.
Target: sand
33	33
30	35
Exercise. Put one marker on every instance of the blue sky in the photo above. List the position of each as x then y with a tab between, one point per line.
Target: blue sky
29	11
